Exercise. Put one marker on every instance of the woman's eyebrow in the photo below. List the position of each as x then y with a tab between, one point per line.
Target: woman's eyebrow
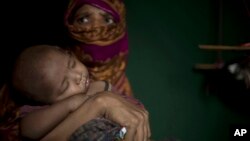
107	15
84	13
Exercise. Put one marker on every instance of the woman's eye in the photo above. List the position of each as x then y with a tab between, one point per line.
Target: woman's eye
109	20
83	20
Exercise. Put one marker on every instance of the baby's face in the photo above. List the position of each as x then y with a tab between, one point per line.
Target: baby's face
88	16
66	74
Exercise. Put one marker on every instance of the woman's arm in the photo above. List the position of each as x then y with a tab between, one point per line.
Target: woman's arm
110	106
38	123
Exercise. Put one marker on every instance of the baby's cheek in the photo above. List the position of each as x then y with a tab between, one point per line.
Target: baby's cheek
70	92
78	89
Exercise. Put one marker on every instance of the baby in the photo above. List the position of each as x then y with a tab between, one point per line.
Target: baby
48	74
52	83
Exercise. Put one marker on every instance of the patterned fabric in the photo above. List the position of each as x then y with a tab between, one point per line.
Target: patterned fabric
98	129
9	117
10	132
104	50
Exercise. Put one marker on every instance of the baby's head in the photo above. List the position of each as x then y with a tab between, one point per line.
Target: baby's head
47	74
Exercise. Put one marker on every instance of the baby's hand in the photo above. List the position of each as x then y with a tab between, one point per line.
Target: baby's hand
95	87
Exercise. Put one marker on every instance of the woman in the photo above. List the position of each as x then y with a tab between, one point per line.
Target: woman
101	42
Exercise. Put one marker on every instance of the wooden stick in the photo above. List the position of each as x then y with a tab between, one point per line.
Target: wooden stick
222	47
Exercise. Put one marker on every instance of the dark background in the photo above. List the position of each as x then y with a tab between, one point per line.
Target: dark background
164	36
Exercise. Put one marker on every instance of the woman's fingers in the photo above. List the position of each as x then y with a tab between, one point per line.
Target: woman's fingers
146	129
147	124
140	131
119	110
138	122
127	119
143	128
130	135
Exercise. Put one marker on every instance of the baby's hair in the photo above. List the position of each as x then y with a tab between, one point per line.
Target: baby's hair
27	75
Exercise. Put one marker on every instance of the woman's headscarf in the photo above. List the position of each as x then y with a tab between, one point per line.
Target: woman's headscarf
98	35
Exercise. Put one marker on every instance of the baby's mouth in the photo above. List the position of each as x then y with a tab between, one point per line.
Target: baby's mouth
85	82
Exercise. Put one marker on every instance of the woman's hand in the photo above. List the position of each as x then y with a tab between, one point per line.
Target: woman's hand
119	110
110	106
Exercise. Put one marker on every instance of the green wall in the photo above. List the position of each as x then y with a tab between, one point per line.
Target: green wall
164	37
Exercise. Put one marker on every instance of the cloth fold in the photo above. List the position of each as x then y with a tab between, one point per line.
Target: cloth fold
98	129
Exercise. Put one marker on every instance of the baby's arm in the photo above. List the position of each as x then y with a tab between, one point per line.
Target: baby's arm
38	123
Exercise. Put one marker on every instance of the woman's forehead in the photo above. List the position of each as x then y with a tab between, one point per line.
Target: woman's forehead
104	5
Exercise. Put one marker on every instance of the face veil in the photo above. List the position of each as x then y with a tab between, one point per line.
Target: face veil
104	35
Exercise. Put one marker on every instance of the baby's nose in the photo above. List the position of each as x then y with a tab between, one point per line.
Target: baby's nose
78	78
